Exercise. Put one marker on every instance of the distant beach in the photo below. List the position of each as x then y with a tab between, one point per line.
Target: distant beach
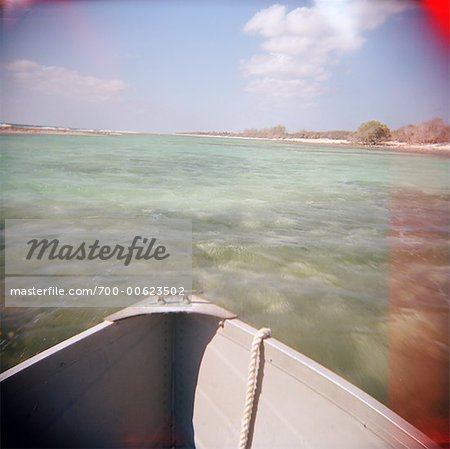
442	149
54	130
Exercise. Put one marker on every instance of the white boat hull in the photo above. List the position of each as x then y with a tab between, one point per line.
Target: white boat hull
175	377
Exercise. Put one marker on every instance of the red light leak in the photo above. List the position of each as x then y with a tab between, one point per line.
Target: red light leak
419	314
439	12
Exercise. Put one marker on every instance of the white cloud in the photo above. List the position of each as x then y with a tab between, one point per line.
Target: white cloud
62	81
300	46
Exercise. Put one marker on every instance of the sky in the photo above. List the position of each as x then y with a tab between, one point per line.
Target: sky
173	65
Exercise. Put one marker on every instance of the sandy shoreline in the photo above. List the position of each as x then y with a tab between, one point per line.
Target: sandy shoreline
54	131
435	149
49	130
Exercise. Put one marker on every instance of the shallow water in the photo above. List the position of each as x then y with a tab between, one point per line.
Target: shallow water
342	252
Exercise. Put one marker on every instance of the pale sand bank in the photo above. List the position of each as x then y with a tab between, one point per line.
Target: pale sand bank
50	130
434	148
437	148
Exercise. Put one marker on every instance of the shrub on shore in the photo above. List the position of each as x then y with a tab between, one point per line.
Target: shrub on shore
268	133
431	131
372	133
334	134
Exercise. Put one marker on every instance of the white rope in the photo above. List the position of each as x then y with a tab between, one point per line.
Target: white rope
253	368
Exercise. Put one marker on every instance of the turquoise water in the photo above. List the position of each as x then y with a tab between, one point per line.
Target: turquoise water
299	238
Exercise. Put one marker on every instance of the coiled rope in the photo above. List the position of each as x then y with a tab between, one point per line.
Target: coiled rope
252	381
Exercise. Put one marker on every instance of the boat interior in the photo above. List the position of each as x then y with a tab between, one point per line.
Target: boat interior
179	380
